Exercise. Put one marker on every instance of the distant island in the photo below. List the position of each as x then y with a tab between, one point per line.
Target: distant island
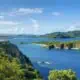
60	45
69	34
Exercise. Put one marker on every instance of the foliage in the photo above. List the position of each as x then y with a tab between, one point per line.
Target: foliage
62	75
61	45
51	47
70	34
14	65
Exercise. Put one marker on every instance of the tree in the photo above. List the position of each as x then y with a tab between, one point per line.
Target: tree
51	47
10	70
62	75
16	66
61	46
70	45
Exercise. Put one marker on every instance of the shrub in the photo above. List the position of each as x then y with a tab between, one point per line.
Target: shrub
62	75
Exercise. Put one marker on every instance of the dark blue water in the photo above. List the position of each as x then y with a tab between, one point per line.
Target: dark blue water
59	59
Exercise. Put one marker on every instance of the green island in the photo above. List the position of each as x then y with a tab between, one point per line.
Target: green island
60	45
69	34
16	66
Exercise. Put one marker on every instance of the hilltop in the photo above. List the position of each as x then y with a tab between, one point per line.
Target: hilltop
69	34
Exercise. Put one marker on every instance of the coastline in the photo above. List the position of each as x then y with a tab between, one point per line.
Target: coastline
42	45
46	46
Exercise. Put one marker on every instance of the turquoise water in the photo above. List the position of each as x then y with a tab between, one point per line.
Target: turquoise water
58	59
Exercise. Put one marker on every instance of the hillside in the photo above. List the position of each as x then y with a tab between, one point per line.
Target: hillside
14	65
69	34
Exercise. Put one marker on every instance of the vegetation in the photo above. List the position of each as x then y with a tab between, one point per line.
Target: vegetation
70	34
61	45
51	47
62	75
14	65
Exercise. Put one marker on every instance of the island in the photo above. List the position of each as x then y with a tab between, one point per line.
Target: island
68	34
60	45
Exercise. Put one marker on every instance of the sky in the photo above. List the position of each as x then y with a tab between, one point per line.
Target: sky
39	16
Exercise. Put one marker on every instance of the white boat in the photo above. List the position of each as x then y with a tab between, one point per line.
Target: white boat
43	62
47	63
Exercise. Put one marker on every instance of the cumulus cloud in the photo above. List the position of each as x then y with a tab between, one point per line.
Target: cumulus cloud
18	30
1	17
21	30
21	12
30	10
8	23
73	27
11	27
16	27
56	13
8	30
35	26
8	27
12	30
25	11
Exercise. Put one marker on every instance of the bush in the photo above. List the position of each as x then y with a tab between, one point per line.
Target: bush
61	46
14	65
51	47
70	45
62	75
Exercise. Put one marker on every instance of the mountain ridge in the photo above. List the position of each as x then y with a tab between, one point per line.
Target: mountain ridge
69	34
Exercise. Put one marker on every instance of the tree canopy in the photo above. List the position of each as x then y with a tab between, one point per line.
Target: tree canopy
62	75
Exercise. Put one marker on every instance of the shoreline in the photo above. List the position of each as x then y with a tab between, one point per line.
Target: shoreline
42	45
46	46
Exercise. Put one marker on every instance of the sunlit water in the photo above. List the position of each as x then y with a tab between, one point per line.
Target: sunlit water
58	59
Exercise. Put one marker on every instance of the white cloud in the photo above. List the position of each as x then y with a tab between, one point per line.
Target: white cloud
56	13
21	30
8	27
25	11
30	10
18	30
1	17
35	26
12	30
8	23
21	11
73	27
8	30
12	27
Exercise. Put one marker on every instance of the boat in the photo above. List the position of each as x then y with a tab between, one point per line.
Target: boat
43	62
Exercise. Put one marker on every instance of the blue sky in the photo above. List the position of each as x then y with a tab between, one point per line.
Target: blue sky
39	16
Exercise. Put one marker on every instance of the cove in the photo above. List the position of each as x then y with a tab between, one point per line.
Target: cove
59	59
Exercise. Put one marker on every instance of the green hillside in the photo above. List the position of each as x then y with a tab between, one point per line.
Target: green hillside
70	34
14	65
